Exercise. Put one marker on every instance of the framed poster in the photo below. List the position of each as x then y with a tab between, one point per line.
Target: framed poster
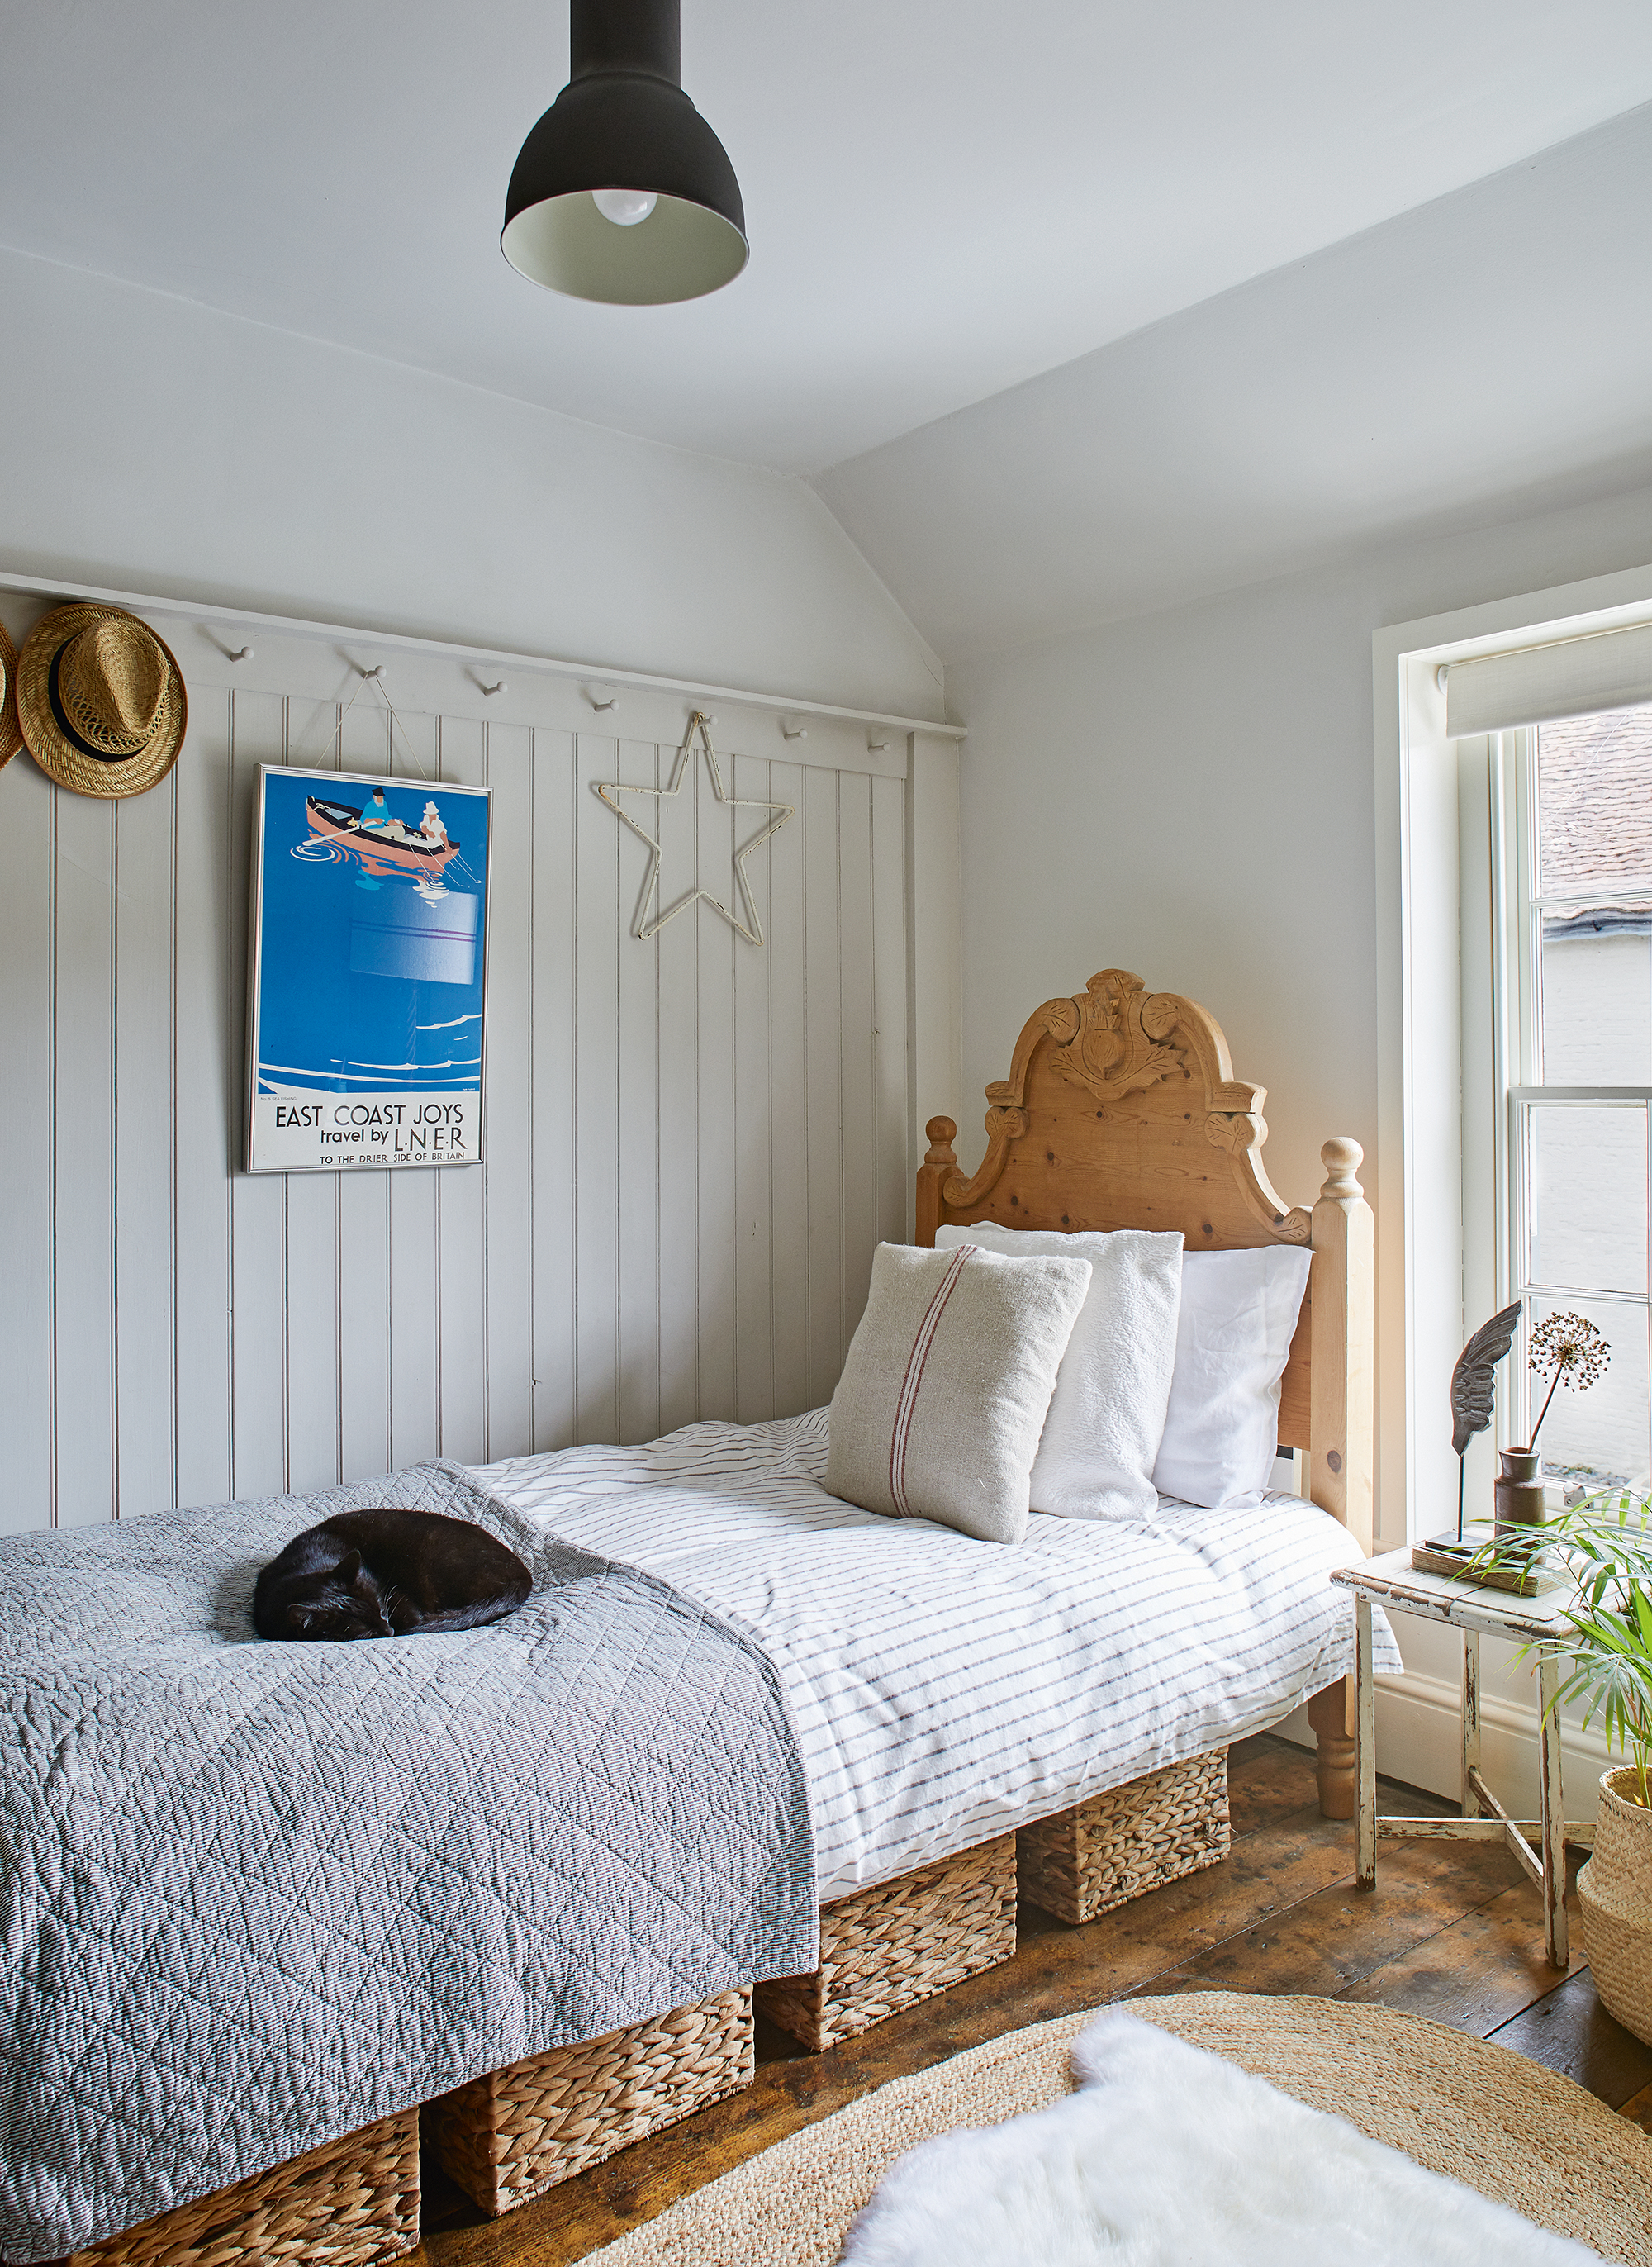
366	973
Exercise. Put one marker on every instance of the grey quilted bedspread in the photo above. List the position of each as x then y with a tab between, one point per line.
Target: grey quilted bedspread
256	1896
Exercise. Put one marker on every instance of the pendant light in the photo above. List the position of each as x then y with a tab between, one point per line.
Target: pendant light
622	192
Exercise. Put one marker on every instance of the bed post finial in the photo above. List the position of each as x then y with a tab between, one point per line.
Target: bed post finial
1341	1158
937	1164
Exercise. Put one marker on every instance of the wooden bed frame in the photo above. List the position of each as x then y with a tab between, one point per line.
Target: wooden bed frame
1121	1111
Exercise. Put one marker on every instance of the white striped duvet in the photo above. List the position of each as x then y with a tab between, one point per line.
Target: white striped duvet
945	1689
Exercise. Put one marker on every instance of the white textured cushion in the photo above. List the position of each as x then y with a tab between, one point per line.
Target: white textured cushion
1238	1313
938	1410
1101	1436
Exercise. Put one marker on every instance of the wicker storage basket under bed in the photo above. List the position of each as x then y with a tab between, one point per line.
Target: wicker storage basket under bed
1133	1838
349	2202
885	1948
508	2138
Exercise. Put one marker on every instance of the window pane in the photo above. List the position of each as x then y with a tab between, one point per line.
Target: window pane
1595	801
1597	994
1601	1434
1588	1197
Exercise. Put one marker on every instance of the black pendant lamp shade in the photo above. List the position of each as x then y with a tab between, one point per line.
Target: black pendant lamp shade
622	192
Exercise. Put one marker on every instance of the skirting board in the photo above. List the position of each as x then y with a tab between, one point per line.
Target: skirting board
1419	1741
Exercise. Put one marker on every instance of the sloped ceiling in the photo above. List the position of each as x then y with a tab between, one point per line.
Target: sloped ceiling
1066	307
1487	356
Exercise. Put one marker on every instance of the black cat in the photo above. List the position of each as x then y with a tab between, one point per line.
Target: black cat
388	1574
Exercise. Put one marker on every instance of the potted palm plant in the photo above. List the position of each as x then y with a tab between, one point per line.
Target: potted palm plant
1603	1548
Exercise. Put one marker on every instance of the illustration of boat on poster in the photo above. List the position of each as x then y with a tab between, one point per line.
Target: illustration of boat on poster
370	921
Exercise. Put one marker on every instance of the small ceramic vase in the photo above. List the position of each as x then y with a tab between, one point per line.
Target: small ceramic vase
1517	1491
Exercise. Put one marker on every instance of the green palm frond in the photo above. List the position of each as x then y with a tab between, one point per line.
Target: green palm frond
1603	1546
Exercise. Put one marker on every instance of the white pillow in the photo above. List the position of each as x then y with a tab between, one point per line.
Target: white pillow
938	1410
1101	1436
1238	1314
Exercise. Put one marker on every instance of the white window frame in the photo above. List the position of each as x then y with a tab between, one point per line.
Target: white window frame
1441	1258
1516	980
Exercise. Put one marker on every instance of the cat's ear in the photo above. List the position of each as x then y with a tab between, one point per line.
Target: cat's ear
349	1568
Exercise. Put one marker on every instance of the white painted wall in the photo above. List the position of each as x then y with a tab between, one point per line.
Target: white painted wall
154	444
693	1145
1190	796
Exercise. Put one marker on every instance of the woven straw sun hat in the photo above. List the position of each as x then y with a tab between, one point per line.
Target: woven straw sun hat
100	700
10	737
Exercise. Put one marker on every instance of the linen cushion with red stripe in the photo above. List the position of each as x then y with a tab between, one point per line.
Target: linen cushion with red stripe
943	1397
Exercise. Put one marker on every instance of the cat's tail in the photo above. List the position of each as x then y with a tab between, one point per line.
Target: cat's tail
472	1617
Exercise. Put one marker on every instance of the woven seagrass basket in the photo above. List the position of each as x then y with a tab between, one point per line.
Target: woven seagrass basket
352	2202
887	1948
1131	1839
508	2138
1614	1891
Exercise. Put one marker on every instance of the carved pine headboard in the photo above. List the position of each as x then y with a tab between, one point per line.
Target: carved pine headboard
1121	1111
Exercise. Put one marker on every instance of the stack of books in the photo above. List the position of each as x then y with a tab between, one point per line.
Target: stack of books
1443	1554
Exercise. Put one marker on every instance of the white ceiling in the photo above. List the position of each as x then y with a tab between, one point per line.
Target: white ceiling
946	197
1487	356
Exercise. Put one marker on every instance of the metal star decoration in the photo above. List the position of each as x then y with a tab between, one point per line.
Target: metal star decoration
607	790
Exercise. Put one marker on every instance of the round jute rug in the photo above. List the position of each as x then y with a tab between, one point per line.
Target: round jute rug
1518	2133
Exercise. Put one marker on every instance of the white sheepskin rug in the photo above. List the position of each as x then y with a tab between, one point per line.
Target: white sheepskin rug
1167	2156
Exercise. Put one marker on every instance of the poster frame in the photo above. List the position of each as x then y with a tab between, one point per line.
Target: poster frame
251	1162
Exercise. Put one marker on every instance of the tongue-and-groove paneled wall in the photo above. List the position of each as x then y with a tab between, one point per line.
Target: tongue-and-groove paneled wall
693	1145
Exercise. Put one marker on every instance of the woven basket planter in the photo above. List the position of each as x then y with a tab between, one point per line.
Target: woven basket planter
1133	1838
349	2202
887	1948
1614	1891
508	2138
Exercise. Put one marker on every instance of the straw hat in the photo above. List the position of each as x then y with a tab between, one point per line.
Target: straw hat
100	700
10	737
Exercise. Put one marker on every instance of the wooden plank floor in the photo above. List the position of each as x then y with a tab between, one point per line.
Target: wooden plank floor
1453	1930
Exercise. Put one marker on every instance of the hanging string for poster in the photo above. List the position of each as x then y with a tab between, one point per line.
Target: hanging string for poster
375	678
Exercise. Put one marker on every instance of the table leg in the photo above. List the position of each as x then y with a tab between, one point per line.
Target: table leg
1471	1719
1364	1748
1553	1814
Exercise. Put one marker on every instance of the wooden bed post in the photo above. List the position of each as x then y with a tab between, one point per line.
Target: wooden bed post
1341	1426
937	1162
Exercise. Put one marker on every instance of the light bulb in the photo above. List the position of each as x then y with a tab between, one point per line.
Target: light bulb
625	207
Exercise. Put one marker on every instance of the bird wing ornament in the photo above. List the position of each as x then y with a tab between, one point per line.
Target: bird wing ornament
1473	1385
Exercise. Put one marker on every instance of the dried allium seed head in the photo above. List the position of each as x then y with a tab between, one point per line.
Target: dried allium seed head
1572	1349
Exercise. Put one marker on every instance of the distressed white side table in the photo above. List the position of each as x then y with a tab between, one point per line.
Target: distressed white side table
1400	1589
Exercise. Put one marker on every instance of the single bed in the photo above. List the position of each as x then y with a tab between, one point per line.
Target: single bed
949	1694
951	1699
